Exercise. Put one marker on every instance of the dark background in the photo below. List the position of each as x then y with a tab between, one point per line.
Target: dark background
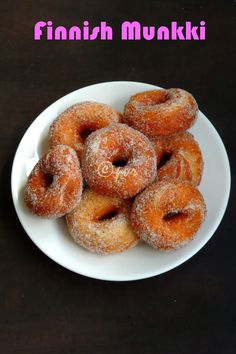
47	309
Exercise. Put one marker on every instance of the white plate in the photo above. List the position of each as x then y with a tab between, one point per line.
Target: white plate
51	236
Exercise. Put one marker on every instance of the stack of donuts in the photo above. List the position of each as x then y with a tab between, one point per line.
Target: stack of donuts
118	178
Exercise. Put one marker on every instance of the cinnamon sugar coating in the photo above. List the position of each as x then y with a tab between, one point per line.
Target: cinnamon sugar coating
168	214
54	186
118	161
161	112
184	158
75	123
101	224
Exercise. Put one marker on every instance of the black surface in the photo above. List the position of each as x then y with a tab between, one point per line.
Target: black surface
47	309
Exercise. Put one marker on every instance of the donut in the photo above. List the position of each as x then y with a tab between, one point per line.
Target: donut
101	224
78	121
180	157
161	112
54	186
168	214
118	161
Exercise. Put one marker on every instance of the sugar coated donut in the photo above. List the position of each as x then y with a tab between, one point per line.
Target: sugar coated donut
118	161
161	112
74	124
179	156
101	224
55	184
168	214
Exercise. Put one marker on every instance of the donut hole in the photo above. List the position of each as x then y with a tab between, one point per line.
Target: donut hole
84	133
164	159
154	98
121	162
109	214
47	180
174	215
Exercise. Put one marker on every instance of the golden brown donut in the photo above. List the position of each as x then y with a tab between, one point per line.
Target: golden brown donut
54	186
78	121
118	161
168	214
161	112
101	224
179	156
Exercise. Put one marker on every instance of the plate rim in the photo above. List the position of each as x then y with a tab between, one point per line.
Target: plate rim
146	275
